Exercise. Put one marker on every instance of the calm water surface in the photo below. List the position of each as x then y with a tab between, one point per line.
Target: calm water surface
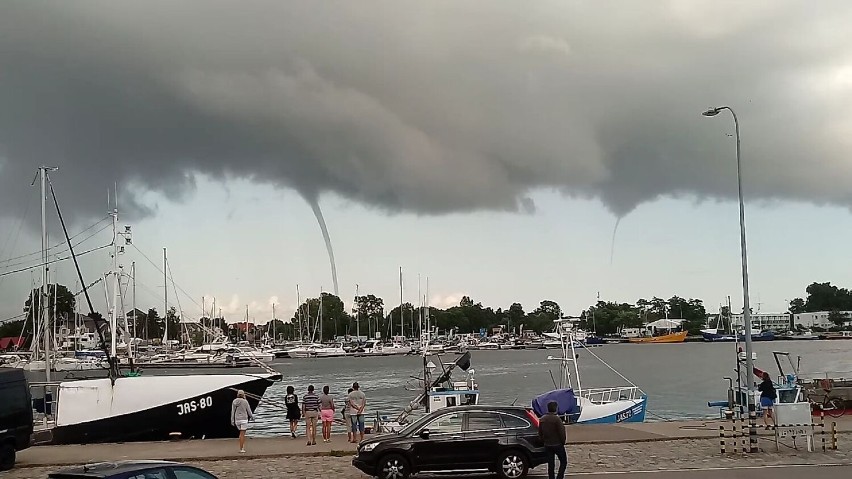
678	378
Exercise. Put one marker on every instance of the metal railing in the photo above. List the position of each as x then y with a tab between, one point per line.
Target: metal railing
608	395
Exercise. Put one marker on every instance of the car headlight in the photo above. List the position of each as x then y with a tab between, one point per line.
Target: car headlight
369	447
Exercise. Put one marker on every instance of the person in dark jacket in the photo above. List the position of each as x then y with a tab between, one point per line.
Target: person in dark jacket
767	398
551	431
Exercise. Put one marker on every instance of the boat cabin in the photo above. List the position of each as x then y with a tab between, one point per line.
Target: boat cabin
461	393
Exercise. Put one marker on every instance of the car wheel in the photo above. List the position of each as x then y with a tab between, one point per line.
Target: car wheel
7	457
512	465
393	466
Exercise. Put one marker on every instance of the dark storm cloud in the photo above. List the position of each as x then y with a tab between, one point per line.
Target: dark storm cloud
429	107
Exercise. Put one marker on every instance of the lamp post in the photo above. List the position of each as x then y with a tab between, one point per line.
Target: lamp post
746	310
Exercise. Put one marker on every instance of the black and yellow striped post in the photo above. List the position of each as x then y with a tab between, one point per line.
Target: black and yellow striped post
822	428
833	436
752	432
743	435
722	438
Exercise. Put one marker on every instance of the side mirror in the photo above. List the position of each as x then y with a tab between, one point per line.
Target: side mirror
424	434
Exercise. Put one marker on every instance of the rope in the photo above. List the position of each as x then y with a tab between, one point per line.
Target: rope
611	368
6	273
161	272
57	245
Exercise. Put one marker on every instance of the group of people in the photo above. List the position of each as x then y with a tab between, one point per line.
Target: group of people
323	408
314	408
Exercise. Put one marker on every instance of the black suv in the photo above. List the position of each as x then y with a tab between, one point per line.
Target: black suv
16	415
465	438
133	470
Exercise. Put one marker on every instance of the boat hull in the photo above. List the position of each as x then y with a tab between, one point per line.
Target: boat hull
677	337
627	410
715	337
152	408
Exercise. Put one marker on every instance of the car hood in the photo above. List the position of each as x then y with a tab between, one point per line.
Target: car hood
379	438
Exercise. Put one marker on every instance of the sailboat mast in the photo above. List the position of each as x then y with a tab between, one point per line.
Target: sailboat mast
299	313
357	315
133	277
319	316
273	323
401	316
113	320
42	171
165	300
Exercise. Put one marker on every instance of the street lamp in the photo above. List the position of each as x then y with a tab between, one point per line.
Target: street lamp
746	310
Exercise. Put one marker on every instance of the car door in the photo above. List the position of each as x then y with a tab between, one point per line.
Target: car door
444	448
483	433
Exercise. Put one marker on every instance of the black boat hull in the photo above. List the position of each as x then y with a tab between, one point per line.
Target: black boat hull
203	415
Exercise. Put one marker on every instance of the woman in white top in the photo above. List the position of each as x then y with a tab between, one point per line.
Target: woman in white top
240	416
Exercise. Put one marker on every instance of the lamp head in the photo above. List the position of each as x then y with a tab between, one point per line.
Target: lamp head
711	112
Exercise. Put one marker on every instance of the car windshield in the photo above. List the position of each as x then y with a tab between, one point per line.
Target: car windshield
416	424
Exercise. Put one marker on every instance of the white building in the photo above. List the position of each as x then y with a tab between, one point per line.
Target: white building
818	319
779	322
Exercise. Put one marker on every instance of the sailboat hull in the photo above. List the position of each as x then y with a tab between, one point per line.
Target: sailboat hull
152	408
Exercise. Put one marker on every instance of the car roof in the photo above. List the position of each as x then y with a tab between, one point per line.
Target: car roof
481	408
107	469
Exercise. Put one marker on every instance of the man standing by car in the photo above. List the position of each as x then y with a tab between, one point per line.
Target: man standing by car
551	431
356	402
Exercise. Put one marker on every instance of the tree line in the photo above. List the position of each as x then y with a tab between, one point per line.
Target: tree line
327	317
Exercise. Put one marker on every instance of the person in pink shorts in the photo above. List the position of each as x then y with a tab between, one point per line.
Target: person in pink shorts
326	413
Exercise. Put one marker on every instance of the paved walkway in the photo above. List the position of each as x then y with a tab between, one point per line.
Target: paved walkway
593	449
625	459
759	472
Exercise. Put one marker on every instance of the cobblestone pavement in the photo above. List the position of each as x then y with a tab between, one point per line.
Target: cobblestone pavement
682	454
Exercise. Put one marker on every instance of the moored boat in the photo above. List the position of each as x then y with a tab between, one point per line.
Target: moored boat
676	337
589	405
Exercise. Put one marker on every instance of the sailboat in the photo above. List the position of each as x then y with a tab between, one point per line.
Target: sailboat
131	407
584	405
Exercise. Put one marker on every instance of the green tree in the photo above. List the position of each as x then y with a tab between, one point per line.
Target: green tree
275	329
838	318
58	296
827	297
611	317
466	302
797	306
370	310
408	312
149	326
173	320
335	320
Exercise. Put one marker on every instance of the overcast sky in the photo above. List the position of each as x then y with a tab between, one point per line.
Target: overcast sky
490	146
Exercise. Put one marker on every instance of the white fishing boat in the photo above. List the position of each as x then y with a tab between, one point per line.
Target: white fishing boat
303	351
589	405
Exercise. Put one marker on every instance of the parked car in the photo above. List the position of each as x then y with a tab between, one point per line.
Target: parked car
503	440
16	415
133	470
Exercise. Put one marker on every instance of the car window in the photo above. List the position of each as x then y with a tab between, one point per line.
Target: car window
483	421
191	473
446	424
511	421
149	474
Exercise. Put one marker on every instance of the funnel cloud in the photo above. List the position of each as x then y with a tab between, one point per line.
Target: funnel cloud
426	107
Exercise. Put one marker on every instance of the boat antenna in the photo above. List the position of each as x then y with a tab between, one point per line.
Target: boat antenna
100	322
